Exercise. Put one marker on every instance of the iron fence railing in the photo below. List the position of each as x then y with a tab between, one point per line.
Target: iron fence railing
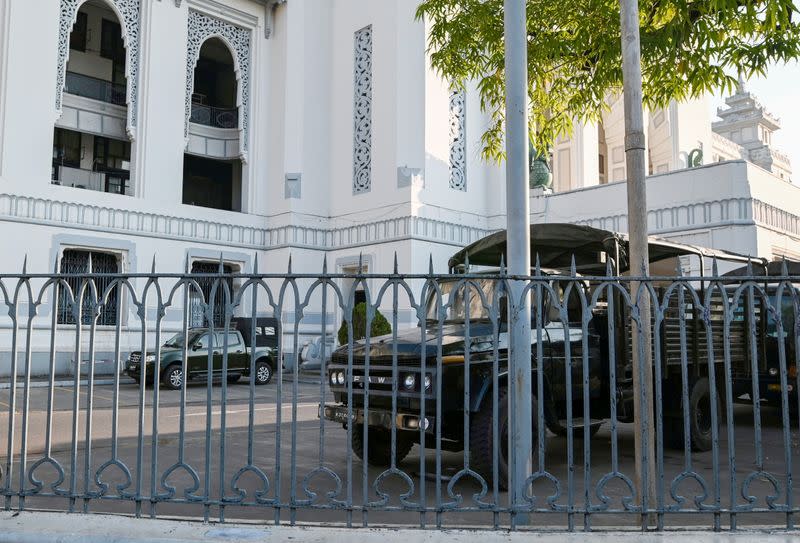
410	427
97	89
218	117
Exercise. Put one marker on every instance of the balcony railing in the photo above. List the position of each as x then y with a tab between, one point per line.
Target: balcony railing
96	89
114	181
218	117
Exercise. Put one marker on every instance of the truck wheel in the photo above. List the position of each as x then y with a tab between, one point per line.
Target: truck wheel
379	451
172	378
481	434
263	372
699	419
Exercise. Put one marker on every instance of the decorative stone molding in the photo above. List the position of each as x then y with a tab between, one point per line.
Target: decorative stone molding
269	16
49	212
458	140
128	12
201	28
362	111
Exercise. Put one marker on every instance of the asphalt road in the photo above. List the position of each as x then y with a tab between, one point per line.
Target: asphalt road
318	444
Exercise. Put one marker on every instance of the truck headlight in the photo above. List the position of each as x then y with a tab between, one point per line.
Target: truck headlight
409	381
333	377
150	358
427	382
340	378
773	372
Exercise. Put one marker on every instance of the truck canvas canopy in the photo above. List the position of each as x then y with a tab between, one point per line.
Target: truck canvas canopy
556	244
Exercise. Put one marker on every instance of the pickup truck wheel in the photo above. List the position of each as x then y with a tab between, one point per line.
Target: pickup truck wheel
263	372
379	451
172	378
481	438
699	419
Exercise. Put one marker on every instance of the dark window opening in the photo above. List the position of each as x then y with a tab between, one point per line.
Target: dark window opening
66	150
75	261
214	94
196	302
211	183
77	38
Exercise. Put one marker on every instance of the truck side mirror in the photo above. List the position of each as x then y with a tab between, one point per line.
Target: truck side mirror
196	347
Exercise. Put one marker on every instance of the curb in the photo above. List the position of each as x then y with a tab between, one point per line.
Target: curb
29	527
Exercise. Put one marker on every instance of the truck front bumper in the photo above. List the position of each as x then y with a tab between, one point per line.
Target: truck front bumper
377	417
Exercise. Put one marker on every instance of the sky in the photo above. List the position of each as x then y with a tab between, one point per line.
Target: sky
779	93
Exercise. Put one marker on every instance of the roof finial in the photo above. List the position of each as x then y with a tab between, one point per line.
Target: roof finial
740	86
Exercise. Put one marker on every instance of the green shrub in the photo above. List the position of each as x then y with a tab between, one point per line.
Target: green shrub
380	326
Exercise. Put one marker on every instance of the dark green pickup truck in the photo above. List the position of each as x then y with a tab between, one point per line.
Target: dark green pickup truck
197	349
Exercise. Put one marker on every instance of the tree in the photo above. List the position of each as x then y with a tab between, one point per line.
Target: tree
380	326
689	47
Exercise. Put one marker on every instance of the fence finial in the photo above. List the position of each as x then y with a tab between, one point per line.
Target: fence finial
325	264
430	263
25	264
89	263
608	267
749	266
502	264
289	268
538	266
360	262
221	269
255	264
55	265
714	267
186	265
573	269
678	268
784	267
466	262
395	262
153	264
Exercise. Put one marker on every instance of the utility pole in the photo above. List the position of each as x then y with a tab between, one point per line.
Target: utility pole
518	243
635	156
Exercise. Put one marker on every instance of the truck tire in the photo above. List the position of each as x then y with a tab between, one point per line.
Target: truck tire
263	372
379	451
699	419
481	437
172	378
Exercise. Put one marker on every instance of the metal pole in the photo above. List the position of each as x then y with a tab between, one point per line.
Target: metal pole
518	241
635	149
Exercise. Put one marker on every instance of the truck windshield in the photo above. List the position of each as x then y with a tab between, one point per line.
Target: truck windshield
455	294
178	339
787	315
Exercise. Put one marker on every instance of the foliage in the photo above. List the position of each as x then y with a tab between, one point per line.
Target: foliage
688	47
380	326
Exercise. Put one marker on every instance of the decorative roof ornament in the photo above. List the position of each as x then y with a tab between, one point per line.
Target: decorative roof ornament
540	173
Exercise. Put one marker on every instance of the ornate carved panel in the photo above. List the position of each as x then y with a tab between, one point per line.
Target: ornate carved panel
129	13
458	140
362	111
203	27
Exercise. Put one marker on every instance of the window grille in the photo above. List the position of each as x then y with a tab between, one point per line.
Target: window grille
82	262
197	304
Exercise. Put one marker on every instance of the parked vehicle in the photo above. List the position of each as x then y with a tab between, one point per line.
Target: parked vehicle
198	343
584	255
767	340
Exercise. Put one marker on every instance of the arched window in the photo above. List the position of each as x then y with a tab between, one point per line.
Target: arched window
96	81
212	174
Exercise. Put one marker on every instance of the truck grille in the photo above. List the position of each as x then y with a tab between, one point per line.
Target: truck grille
135	358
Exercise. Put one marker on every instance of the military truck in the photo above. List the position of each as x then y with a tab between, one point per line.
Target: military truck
766	338
197	342
562	250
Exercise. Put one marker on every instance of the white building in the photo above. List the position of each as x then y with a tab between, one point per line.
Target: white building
188	129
